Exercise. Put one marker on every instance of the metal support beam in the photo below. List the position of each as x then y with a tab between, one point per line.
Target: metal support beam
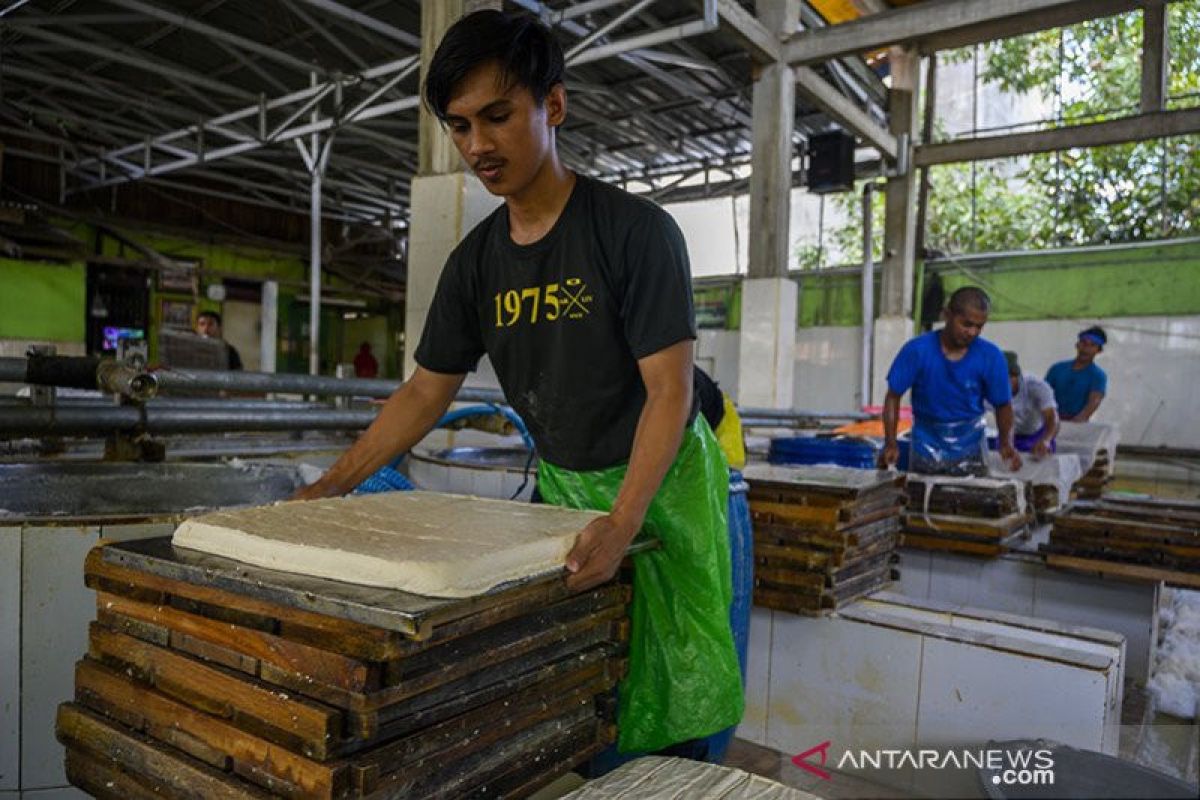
842	110
1140	128
366	21
1155	55
938	24
213	32
241	145
760	42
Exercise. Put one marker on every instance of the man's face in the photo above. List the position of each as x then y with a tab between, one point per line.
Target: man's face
1086	349
502	134
1014	381
207	326
962	327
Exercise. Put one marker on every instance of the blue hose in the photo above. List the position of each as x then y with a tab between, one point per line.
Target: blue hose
389	479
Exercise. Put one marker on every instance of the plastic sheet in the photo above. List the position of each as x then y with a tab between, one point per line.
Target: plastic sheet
949	448
684	682
1060	471
1087	439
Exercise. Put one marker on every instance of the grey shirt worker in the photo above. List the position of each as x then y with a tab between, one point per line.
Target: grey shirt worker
1030	401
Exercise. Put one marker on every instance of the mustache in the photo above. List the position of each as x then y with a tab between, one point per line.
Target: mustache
488	163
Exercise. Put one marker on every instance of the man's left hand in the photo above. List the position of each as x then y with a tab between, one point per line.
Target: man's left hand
598	551
1010	456
1040	450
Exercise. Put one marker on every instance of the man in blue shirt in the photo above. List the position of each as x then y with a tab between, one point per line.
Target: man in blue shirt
951	372
1079	385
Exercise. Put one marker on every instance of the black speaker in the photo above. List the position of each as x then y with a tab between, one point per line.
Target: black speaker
830	163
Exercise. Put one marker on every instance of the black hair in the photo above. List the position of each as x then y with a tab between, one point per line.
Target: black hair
525	49
1098	332
213	314
969	297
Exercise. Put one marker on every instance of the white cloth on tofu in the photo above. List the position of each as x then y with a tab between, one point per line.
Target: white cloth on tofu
658	778
439	545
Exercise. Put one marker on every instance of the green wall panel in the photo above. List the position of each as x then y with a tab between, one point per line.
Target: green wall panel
1159	279
1145	280
42	301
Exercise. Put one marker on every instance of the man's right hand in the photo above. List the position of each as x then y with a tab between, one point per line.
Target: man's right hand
317	490
889	456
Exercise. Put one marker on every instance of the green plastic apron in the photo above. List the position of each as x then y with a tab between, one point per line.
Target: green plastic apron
684	681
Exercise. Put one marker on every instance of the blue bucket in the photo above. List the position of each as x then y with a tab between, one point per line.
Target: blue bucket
741	551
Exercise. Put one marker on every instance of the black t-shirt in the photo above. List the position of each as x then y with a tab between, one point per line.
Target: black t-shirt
565	319
235	358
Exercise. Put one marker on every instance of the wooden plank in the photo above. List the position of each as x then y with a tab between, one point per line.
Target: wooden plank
553	644
506	680
460	769
1121	570
780	600
176	775
104	780
595	604
789	577
345	636
817	516
950	545
205	737
302	725
308	663
472	733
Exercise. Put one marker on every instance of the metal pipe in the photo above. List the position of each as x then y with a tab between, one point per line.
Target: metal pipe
868	295
797	414
14	370
100	421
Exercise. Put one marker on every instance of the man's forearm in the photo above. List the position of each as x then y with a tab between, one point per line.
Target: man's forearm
1049	426
891	417
1004	421
406	417
655	445
1093	403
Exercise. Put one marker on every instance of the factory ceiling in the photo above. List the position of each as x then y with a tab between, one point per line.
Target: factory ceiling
222	98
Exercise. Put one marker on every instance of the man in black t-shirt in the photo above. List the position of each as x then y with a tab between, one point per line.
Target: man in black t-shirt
580	295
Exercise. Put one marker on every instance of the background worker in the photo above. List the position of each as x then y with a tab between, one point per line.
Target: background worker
580	295
208	325
1035	414
951	372
1080	385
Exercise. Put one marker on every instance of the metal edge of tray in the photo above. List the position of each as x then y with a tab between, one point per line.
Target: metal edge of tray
410	614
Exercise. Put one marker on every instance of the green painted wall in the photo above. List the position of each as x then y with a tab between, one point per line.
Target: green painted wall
1143	280
1156	279
42	301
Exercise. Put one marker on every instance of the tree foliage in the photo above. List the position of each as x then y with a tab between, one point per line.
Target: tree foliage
1119	193
1131	192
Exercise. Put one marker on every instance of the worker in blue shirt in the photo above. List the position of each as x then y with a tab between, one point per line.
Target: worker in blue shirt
951	372
1079	385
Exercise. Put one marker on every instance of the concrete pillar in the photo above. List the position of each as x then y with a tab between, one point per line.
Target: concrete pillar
767	345
269	341
895	324
446	201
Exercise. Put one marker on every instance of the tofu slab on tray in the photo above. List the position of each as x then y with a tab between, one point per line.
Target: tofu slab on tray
438	545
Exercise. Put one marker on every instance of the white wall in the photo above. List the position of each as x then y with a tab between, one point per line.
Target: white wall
1153	366
828	368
